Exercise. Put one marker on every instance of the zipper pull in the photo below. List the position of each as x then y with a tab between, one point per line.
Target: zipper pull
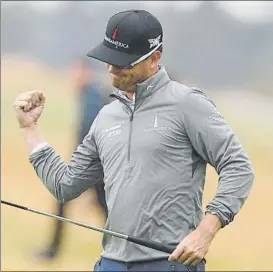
131	117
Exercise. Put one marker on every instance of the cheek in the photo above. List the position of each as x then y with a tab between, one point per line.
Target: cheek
131	76
127	77
135	75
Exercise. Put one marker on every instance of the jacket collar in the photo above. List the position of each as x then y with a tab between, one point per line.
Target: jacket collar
149	86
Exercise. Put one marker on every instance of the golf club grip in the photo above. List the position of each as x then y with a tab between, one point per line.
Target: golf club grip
151	244
14	205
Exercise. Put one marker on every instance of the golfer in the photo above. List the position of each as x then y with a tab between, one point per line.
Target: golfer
152	145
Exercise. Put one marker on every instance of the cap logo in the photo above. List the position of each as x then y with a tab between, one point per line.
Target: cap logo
154	42
114	36
116	43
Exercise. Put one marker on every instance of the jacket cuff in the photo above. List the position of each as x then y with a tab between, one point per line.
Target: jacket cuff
225	219
39	147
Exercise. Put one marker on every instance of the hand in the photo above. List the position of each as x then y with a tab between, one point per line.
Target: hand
193	248
28	107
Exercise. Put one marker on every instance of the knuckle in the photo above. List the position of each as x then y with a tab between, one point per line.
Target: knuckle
187	248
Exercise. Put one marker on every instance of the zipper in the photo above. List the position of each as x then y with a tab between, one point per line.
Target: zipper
131	122
130	136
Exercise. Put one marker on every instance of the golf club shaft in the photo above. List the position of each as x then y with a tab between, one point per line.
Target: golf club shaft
136	240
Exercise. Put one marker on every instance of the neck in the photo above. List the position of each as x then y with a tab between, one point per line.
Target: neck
130	91
130	94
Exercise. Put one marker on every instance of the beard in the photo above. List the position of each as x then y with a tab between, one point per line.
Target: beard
127	82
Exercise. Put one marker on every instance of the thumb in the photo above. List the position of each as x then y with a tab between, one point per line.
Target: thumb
20	105
37	111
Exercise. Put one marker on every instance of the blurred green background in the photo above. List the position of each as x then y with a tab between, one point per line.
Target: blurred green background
244	97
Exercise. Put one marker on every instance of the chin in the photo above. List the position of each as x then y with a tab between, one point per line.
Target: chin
114	84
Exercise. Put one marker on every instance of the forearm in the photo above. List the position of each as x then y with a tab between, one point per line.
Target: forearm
47	164
217	144
52	171
67	180
235	182
210	225
33	137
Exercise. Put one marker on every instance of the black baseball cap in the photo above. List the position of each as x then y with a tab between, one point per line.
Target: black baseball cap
131	36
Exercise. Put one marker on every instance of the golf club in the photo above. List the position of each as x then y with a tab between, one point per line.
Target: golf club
133	239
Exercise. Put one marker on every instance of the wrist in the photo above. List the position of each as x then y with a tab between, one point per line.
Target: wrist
28	127
32	136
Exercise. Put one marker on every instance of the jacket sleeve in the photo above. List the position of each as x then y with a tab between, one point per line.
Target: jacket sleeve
68	180
216	143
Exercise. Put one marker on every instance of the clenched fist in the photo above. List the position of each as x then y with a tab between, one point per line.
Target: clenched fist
28	107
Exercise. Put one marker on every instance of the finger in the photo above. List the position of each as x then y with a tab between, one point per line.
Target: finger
42	97
21	105
176	253
35	98
190	260
39	98
184	256
25	103
196	261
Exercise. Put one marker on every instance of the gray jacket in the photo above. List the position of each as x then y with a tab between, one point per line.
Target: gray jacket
153	158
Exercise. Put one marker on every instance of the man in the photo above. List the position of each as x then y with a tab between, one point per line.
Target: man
153	144
90	101
89	104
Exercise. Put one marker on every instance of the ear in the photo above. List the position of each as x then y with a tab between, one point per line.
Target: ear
155	58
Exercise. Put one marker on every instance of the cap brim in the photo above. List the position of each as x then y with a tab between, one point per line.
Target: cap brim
112	56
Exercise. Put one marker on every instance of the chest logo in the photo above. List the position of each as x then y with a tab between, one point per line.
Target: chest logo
113	131
157	127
